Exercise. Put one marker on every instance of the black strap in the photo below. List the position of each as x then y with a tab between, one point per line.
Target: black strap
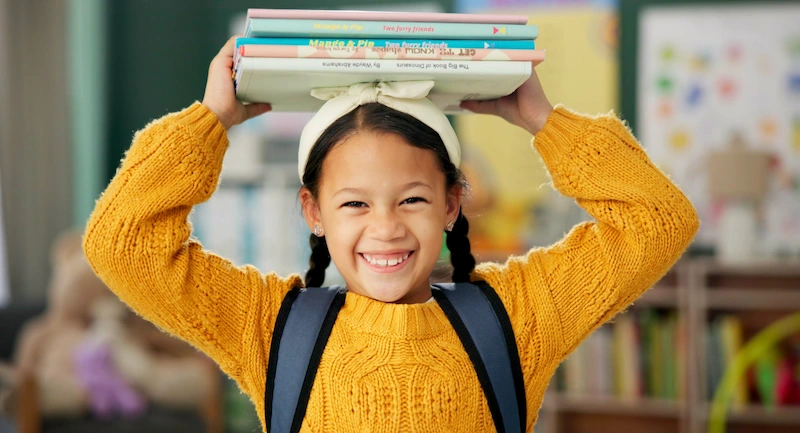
513	351
474	310
302	328
482	325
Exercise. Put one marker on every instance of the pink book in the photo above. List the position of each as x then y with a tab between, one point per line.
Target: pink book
295	52
424	17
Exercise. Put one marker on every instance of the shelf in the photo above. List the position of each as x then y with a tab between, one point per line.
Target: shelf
658	297
782	268
563	402
759	415
753	299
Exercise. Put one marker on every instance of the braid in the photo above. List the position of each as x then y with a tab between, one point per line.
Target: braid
318	262
460	254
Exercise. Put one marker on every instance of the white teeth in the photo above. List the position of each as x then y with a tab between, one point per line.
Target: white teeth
384	262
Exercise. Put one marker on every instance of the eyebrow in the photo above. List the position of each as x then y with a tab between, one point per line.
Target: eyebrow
405	187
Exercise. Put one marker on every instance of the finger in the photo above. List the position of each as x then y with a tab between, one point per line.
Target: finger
469	105
481	107
256	109
228	49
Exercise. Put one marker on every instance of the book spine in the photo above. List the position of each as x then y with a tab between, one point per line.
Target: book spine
385	66
430	17
262	27
295	51
526	44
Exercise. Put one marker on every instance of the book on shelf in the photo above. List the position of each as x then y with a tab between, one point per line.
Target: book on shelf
731	341
772	379
681	355
265	27
765	371
432	17
637	356
628	367
525	44
466	54
287	83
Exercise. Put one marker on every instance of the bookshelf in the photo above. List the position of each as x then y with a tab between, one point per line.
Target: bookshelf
699	290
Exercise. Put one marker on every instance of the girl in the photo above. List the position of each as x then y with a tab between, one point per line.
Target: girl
380	186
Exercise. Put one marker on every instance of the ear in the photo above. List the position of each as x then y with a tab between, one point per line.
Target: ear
453	204
310	209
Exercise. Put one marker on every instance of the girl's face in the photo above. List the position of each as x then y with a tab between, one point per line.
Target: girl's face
383	206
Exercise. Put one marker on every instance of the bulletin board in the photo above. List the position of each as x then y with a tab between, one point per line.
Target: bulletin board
694	74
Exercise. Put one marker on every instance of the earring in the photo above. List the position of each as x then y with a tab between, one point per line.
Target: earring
450	226
317	231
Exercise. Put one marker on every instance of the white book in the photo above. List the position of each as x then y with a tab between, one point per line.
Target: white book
287	83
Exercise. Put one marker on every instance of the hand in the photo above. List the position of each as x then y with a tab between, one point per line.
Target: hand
527	107
220	96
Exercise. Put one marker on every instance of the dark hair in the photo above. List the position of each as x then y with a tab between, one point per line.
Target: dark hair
376	117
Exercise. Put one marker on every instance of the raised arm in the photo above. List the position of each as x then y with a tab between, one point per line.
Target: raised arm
138	237
138	240
643	225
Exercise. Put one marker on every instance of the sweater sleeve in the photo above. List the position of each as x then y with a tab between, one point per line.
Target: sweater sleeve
138	241
557	295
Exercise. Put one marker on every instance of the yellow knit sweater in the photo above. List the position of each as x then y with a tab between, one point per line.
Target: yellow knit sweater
389	367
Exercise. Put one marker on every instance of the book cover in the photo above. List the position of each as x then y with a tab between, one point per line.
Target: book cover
732	340
521	44
713	360
668	326
651	352
617	359
306	52
575	374
263	27
766	369
629	384
423	17
287	83
602	369
680	358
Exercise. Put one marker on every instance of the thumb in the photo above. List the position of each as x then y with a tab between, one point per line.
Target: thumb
256	109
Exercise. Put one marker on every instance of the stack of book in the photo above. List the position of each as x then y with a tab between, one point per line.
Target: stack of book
284	54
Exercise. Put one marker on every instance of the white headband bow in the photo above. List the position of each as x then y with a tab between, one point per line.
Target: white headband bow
409	97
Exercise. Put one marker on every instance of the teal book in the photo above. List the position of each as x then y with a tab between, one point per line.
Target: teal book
499	44
262	27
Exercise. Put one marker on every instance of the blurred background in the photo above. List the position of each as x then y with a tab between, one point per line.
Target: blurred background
710	87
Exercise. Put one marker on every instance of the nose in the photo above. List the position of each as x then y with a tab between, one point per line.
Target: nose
386	226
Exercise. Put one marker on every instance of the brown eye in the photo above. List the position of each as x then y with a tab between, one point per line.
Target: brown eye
413	200
354	204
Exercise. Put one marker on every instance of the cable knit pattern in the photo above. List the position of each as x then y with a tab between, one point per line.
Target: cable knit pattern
389	367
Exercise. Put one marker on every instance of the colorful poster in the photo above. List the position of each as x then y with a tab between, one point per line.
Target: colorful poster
515	212
707	74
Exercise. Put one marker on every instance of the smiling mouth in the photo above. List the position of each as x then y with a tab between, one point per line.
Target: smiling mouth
387	261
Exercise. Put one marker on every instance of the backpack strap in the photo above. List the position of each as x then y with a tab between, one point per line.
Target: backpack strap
302	328
482	324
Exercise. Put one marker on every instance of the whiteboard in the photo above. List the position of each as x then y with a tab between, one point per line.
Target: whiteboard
706	72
